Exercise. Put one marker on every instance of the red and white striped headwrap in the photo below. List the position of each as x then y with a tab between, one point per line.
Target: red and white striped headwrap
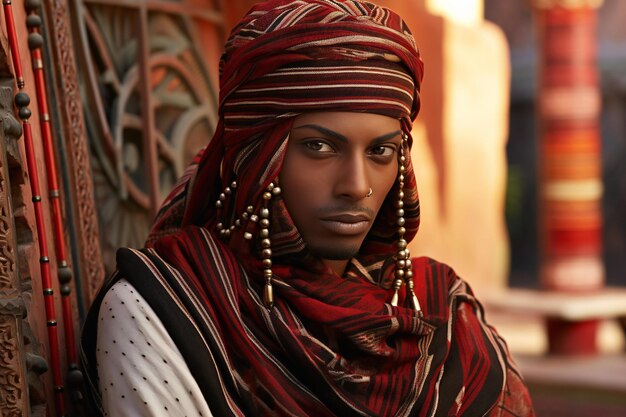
289	57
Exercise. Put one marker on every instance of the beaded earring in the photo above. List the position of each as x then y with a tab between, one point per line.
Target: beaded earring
224	230
263	220
266	244
403	268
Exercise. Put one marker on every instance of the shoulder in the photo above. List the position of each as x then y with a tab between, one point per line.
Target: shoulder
140	368
443	290
435	273
124	311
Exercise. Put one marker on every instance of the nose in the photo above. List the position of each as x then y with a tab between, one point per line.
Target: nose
352	181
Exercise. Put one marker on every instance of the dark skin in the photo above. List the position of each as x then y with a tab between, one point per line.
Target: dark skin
332	161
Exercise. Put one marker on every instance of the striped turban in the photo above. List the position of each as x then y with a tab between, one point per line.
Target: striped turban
288	57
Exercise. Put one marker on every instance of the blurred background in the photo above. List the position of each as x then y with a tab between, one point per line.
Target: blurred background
518	150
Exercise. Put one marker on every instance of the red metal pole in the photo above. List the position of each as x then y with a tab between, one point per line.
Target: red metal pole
35	43
570	200
10	22
22	101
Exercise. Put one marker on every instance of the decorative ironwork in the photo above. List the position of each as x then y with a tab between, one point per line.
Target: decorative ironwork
149	106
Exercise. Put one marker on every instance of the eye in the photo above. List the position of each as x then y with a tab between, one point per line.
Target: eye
383	150
318	146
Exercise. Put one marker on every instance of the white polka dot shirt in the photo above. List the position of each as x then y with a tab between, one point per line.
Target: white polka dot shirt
141	372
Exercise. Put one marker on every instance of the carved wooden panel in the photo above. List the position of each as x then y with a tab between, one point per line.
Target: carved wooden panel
13	392
12	387
67	113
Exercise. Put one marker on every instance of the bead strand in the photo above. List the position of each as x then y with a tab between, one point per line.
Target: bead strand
263	220
266	244
403	268
223	230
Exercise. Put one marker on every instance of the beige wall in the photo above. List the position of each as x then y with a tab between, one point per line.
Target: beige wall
468	12
460	137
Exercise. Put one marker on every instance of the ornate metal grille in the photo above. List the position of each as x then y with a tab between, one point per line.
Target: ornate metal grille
149	101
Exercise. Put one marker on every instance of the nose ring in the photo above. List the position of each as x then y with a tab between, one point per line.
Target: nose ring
369	194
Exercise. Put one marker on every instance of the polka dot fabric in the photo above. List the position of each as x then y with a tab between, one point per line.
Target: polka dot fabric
142	372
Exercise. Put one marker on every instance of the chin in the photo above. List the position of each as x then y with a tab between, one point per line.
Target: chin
335	253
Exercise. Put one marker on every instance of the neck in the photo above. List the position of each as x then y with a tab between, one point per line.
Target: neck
338	266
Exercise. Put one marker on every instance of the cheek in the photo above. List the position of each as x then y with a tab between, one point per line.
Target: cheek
295	193
298	190
383	183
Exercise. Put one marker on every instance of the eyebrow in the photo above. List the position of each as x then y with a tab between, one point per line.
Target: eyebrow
326	131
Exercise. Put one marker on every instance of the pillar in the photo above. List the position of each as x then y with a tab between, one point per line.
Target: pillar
570	177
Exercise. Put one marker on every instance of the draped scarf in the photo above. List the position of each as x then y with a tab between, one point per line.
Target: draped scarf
331	345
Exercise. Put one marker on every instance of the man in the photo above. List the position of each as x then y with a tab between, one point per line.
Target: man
277	279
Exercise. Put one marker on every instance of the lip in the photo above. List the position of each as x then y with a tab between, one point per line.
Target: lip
347	217
347	223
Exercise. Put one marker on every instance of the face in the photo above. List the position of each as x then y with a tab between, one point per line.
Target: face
332	161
